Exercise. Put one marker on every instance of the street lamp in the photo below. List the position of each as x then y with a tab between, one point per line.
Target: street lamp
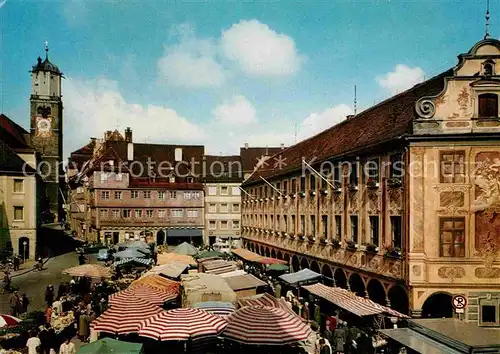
25	243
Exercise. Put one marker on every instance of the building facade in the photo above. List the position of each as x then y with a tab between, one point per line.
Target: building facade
18	202
406	214
128	191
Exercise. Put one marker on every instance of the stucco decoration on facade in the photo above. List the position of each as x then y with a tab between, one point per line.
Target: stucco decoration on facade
487	273
417	226
451	273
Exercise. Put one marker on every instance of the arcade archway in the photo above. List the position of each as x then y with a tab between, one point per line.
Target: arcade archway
326	271
356	284
340	278
304	263
399	299
438	305
295	264
314	266
273	254
279	255
376	292
160	237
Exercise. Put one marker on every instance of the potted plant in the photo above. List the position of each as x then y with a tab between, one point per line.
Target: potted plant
394	182
311	238
336	243
323	239
312	193
371	248
393	252
324	191
353	187
338	188
351	245
372	183
302	194
300	236
293	195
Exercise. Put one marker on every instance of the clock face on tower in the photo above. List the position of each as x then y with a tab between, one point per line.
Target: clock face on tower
43	126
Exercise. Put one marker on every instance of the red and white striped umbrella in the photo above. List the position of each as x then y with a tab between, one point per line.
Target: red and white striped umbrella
182	324
152	295
123	318
8	320
265	326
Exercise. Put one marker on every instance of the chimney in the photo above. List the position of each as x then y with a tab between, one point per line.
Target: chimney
349	116
246	146
178	154
107	135
130	151
282	146
128	135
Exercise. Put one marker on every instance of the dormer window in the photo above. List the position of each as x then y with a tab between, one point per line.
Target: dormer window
488	105
489	68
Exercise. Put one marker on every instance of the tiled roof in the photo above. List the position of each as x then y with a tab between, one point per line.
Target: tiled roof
11	163
222	169
250	156
82	155
384	122
12	133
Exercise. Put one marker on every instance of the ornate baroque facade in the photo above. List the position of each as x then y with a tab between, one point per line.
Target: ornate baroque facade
409	208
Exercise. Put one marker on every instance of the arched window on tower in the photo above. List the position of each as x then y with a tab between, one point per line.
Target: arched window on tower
488	105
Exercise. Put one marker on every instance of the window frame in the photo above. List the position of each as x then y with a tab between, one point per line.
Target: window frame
118	194
18	208
222	188
17	182
489	302
454	230
374	239
487	96
454	175
354	221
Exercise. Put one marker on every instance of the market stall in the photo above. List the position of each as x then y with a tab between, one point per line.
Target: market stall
217	266
185	249
111	346
245	285
203	287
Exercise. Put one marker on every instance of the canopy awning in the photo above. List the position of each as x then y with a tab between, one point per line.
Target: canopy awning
171	270
184	233
300	276
133	261
243	282
266	300
254	257
418	342
109	346
233	273
130	253
350	302
219	266
186	249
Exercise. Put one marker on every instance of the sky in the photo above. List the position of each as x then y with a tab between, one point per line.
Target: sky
225	73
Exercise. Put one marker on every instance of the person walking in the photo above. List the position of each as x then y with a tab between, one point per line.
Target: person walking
339	338
13	303
67	347
33	343
83	326
24	303
17	262
49	295
324	348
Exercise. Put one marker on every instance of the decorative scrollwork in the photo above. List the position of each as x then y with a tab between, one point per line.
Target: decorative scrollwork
425	108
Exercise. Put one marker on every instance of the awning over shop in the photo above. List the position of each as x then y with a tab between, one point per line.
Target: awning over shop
418	342
350	302
243	282
184	233
219	266
254	257
133	261
171	270
300	276
233	273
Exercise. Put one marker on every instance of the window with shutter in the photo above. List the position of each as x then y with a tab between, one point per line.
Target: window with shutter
488	105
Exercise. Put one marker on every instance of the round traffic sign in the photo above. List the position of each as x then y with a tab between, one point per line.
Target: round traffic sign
459	301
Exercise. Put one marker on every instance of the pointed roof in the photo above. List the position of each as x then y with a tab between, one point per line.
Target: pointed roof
11	163
12	133
46	65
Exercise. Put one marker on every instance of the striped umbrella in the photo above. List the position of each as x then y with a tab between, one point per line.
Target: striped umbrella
265	300
8	320
124	318
158	282
181	324
218	308
152	295
265	326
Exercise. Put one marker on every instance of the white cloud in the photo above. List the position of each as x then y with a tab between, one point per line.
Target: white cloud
260	50
75	12
237	111
192	62
94	106
317	122
2	3
402	78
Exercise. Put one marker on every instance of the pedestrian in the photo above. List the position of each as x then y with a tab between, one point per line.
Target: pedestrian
83	326
7	279
57	306
24	303
324	348
81	259
44	340
67	347
339	338
17	262
48	314
49	295
33	343
14	303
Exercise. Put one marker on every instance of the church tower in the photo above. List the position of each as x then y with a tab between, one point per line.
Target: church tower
46	131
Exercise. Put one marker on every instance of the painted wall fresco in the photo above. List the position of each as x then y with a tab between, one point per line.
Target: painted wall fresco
487	201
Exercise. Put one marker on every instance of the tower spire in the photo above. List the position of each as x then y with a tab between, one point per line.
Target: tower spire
46	50
355	101
487	22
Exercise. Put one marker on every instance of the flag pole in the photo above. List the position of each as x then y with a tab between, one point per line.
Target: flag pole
262	178
318	174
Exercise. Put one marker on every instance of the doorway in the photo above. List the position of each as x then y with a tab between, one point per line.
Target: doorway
116	237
